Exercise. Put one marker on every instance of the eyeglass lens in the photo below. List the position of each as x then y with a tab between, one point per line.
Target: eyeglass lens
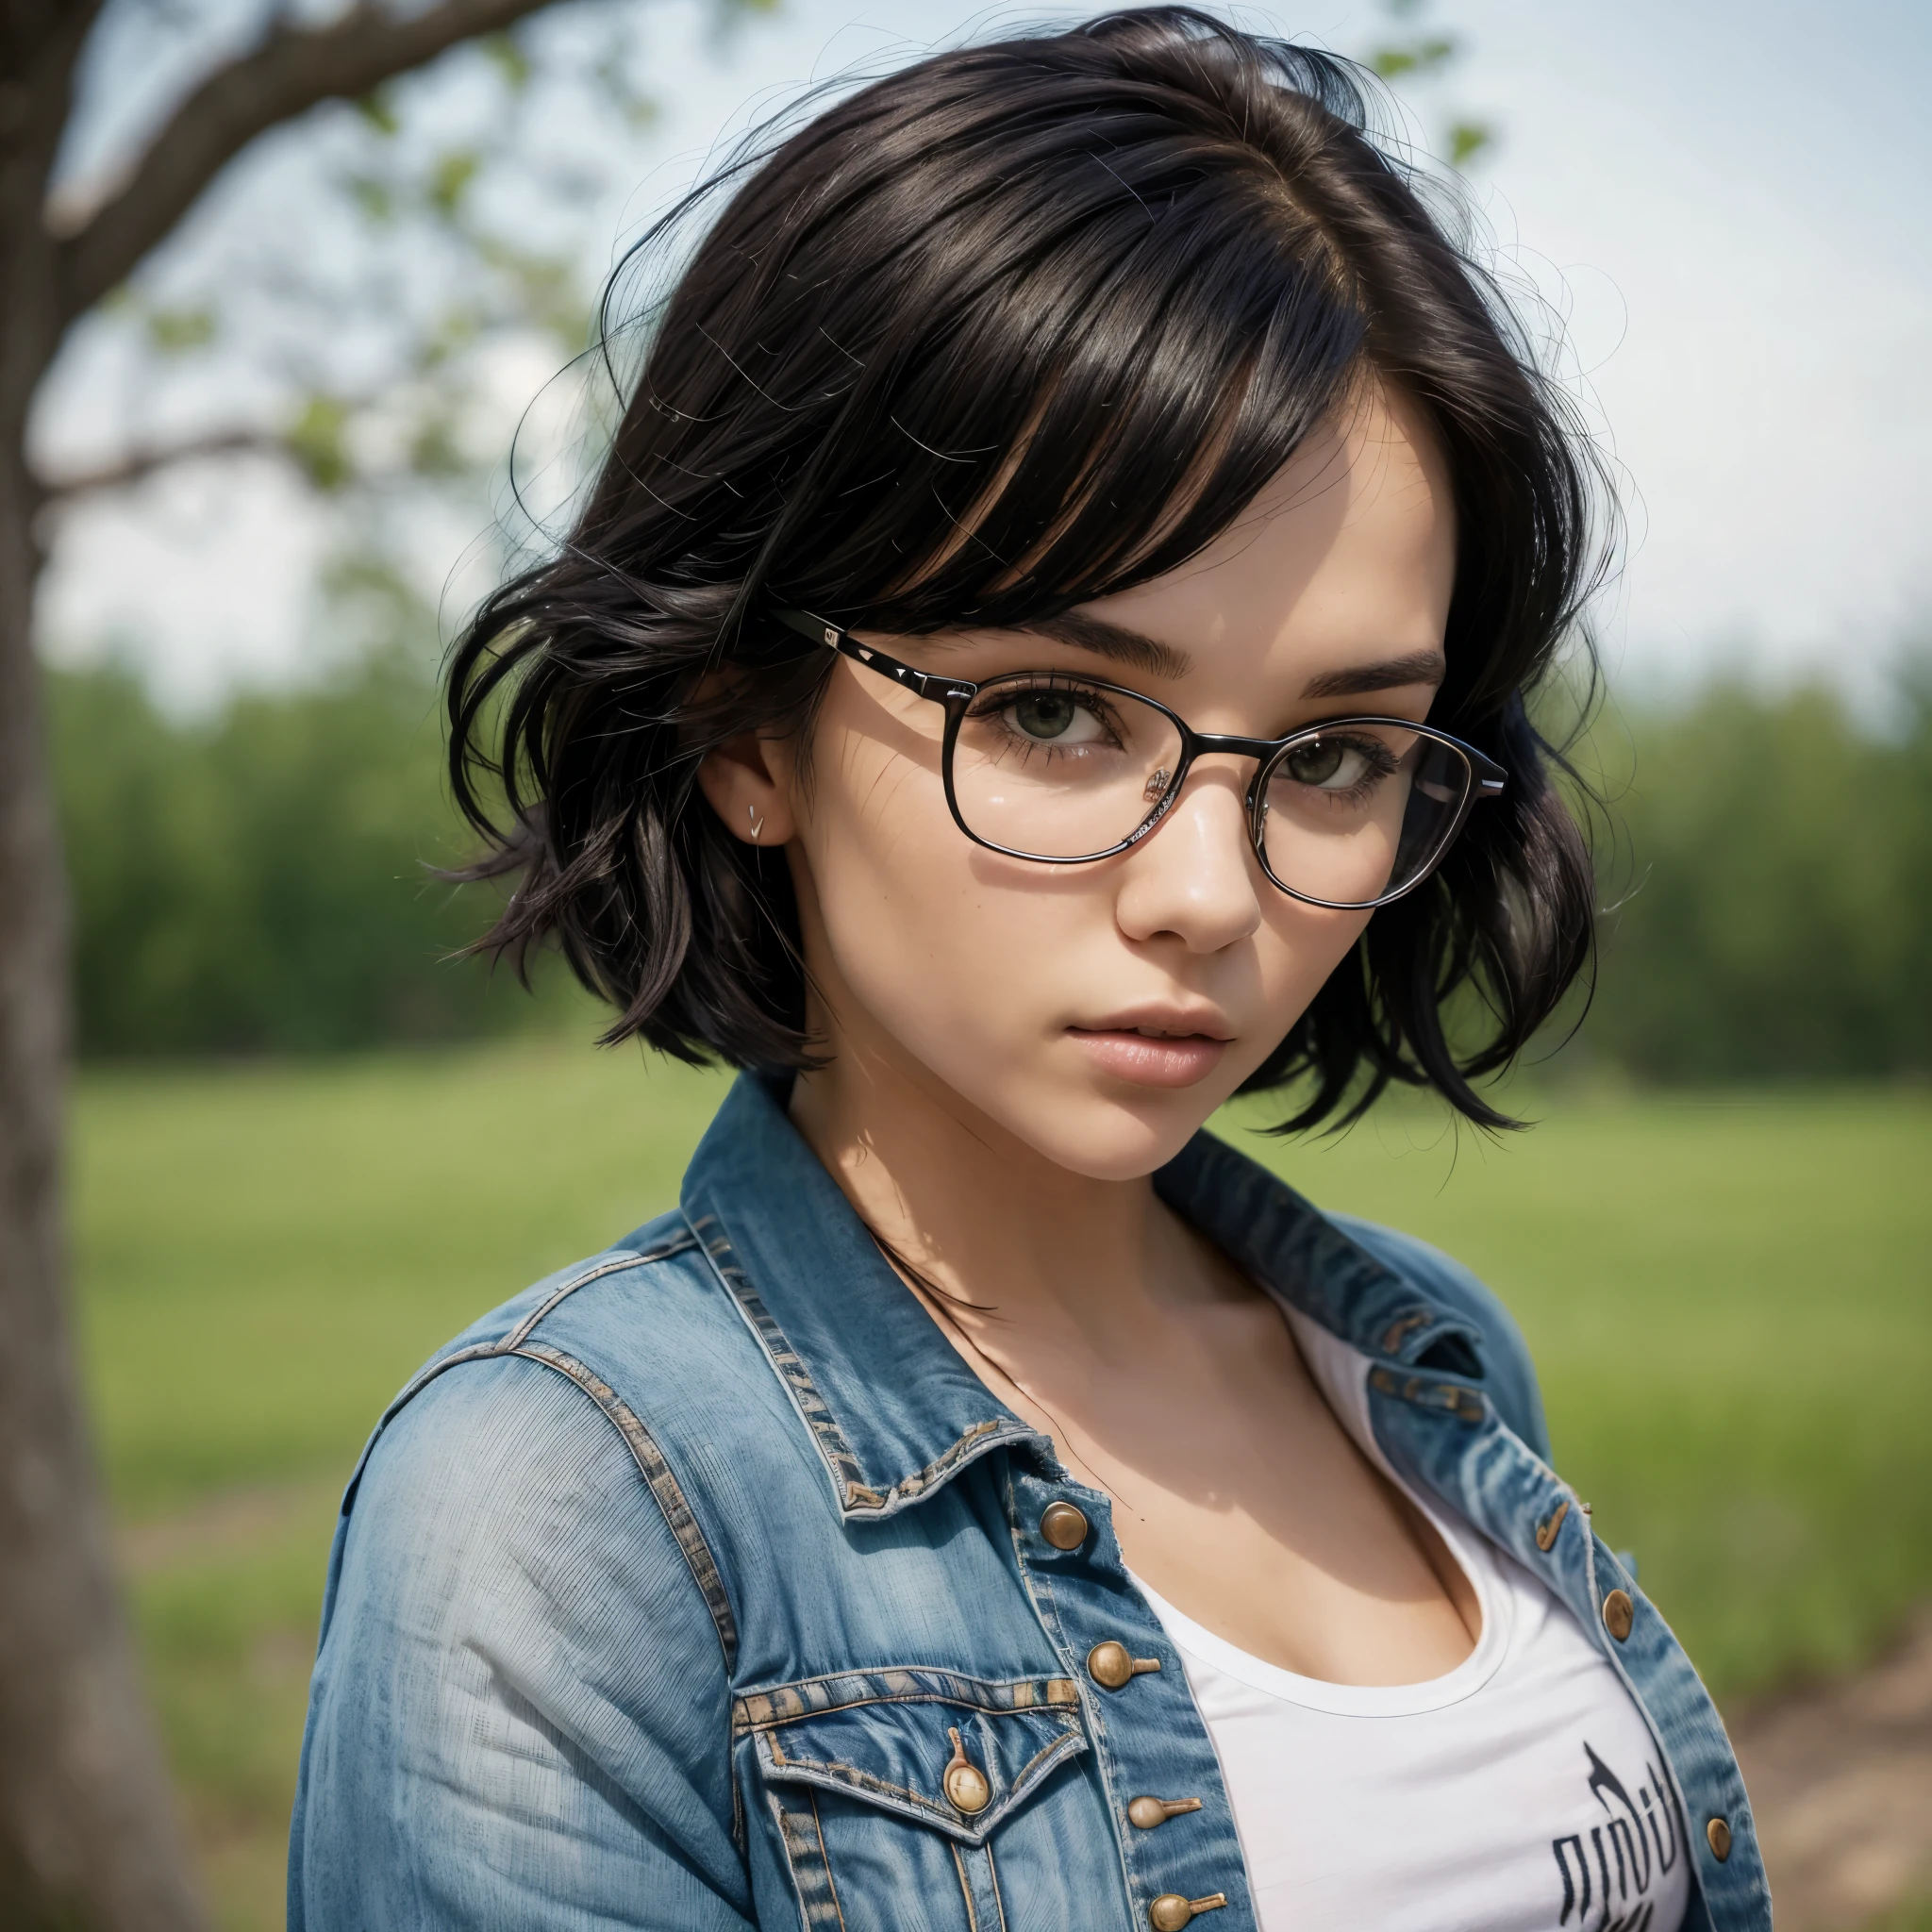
1053	769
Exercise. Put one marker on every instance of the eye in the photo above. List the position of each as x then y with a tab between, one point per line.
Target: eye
1054	717
1330	764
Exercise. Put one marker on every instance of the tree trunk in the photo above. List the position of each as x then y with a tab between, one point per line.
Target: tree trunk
87	1836
87	1832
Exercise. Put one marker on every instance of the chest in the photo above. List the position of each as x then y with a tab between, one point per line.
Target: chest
1088	1778
1520	1790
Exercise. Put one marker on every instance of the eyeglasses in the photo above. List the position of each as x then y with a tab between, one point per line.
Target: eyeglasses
1064	769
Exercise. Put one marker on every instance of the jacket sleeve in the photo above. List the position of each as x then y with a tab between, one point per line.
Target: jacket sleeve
1509	1372
520	1714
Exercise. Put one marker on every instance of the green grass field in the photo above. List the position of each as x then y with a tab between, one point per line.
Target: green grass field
1729	1298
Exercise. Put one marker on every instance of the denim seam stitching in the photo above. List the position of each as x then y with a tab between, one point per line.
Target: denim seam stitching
813	1410
522	1332
855	1495
825	1859
485	1351
1757	1890
965	1890
994	1872
946	1462
1070	1742
1037	1584
745	1724
661	1482
747	1727
809	1869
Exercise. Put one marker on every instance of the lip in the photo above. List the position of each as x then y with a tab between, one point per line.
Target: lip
1179	1047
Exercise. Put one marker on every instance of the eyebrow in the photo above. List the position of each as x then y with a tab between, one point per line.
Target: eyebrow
1418	667
1113	640
1136	648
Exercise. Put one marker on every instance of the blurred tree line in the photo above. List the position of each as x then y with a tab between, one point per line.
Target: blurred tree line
261	881
1768	885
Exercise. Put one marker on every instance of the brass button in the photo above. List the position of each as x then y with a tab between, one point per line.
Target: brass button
1618	1614
1171	1911
1148	1812
1111	1664
1546	1530
1718	1833
1063	1526
965	1783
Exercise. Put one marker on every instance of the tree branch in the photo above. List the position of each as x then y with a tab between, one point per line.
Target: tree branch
292	69
137	465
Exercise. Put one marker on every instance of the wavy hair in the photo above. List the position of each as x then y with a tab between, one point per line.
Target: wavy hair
1018	327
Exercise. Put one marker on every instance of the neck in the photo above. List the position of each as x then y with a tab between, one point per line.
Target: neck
1029	1247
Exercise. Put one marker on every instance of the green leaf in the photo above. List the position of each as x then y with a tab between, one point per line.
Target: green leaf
375	198
1400	57
1467	139
315	442
508	59
378	108
450	177
174	331
434	450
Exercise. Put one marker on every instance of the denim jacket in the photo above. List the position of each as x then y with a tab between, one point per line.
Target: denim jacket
677	1592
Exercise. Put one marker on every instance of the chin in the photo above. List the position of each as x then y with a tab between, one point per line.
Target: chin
1115	1138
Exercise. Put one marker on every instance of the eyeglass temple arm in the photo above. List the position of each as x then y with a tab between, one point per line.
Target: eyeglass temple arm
835	638
1491	779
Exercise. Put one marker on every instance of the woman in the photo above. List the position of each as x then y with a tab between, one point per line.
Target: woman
1047	652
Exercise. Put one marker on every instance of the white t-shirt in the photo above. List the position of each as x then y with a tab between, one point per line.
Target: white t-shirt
1522	1792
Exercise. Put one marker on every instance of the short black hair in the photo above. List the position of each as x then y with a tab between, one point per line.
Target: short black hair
1018	327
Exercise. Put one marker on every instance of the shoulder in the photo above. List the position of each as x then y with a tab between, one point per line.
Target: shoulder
589	1409
517	1654
646	1315
1508	1372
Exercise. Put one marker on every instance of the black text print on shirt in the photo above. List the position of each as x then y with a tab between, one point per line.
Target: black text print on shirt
1612	1872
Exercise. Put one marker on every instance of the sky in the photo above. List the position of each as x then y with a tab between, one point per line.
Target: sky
1718	211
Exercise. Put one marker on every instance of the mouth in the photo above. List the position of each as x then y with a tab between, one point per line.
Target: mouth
1165	1050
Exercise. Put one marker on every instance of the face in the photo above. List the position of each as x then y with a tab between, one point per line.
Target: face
1097	1014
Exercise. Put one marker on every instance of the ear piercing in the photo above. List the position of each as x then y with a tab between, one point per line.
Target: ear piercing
757	824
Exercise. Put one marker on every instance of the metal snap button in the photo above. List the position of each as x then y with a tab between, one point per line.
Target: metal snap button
964	1783
1619	1614
1111	1664
1148	1812
1546	1530
1719	1832
1171	1911
1064	1527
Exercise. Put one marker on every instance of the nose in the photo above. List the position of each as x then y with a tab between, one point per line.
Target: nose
1196	877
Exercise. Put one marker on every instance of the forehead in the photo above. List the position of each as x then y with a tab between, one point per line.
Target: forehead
1349	551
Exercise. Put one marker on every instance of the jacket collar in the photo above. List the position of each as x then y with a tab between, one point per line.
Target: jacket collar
892	1407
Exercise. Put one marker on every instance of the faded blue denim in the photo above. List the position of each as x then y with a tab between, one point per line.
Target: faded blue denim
659	1596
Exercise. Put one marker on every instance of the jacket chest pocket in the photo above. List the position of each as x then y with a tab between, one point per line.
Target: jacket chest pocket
894	1794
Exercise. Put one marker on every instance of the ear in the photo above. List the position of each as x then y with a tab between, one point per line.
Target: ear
746	781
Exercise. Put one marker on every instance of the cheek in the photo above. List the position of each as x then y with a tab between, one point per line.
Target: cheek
948	958
933	946
1295	951
1300	946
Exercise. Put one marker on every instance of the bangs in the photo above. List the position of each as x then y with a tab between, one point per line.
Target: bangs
1015	328
1100	326
1132	396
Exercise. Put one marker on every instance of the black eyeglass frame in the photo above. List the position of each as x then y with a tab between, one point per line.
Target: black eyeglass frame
1487	779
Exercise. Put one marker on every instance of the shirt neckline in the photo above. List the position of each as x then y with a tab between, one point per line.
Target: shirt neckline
1341	1374
1361	1700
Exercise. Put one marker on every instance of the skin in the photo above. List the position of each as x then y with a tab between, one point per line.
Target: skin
981	1015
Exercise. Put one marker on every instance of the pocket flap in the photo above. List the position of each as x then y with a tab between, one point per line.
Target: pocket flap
890	1738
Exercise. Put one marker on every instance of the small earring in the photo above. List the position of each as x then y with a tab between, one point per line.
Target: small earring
757	824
